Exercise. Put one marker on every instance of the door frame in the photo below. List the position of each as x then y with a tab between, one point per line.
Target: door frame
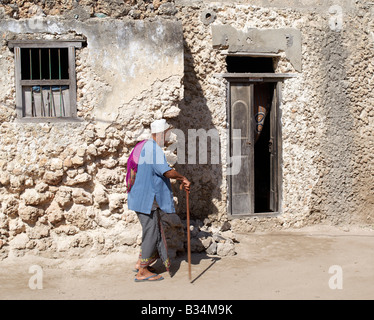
277	80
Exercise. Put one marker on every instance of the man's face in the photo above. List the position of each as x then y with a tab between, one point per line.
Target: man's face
167	135
162	138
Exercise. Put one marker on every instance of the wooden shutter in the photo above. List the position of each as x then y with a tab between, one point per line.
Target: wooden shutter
242	184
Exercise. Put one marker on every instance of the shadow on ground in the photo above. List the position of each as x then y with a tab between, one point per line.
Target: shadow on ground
196	259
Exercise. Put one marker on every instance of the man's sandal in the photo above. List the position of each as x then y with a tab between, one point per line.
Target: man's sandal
150	277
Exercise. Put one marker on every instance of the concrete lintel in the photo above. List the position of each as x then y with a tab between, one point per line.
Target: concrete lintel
271	41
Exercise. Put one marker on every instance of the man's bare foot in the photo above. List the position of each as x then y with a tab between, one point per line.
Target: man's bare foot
144	273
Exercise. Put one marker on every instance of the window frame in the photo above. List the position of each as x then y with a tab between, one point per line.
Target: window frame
71	45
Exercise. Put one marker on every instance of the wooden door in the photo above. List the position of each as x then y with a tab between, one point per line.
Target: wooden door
241	116
273	150
242	183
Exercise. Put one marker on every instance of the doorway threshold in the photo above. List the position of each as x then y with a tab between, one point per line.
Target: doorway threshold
253	215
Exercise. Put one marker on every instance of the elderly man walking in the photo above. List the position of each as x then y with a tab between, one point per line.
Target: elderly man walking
150	194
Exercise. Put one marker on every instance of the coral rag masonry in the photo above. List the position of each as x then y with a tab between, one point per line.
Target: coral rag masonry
82	81
64	181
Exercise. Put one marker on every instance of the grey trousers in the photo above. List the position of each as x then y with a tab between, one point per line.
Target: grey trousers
153	240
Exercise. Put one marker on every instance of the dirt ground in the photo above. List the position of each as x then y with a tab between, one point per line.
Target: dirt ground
292	264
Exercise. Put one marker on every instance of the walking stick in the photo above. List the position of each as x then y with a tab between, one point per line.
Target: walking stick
188	235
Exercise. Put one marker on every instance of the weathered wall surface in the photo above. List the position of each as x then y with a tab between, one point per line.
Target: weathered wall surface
62	185
326	111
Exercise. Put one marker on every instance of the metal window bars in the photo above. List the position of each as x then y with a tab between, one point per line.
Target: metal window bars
44	102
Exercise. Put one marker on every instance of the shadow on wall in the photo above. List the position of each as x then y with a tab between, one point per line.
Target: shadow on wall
206	179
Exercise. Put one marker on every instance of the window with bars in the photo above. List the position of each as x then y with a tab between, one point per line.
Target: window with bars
45	79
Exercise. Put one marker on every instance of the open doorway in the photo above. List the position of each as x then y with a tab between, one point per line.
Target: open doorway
254	125
254	118
262	104
253	108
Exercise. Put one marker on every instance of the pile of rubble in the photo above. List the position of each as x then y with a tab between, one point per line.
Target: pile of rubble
205	236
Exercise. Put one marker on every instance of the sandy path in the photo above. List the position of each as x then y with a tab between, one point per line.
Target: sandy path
282	265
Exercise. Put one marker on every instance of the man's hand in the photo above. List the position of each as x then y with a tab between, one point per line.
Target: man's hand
185	184
173	174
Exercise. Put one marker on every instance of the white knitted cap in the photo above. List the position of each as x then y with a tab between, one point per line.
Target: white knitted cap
159	126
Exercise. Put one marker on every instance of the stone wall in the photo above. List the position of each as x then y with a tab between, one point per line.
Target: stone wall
326	111
62	184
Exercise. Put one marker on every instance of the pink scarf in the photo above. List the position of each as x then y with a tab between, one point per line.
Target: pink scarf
132	164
